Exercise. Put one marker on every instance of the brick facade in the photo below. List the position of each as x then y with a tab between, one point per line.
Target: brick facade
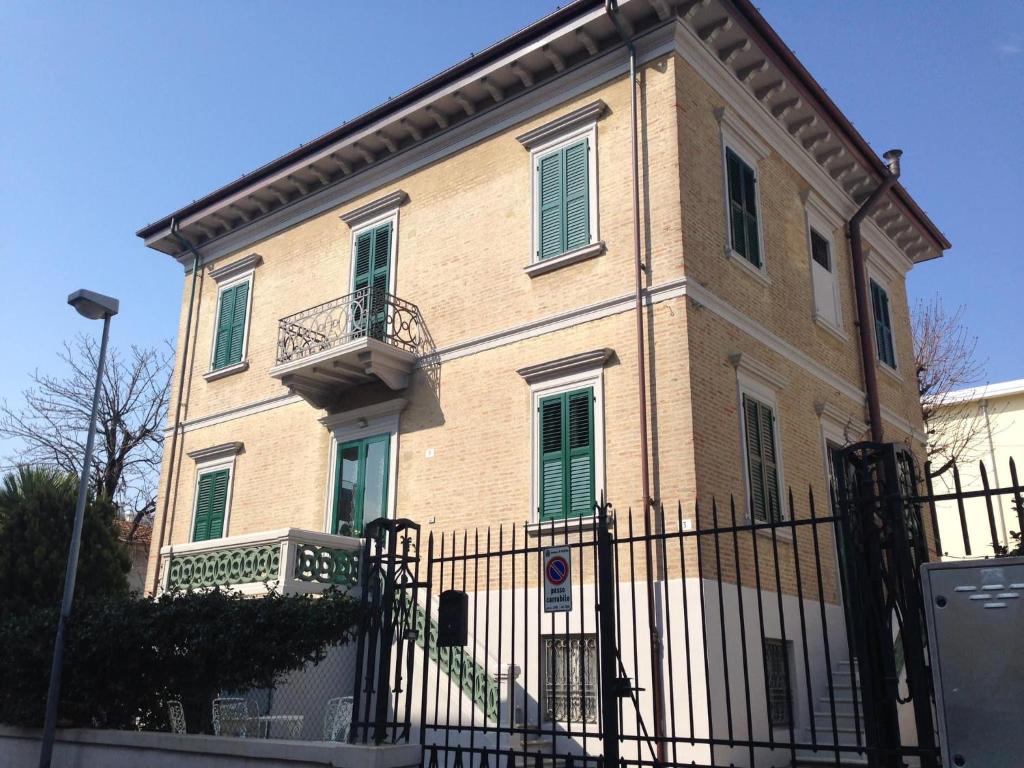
464	238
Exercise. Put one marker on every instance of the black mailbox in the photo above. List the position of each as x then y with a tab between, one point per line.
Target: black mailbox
453	619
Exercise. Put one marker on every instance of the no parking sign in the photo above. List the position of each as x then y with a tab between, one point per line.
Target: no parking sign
557	580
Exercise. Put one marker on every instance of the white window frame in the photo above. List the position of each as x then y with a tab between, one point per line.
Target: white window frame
880	275
210	460
545	383
825	224
760	382
751	149
555	135
378	419
227	277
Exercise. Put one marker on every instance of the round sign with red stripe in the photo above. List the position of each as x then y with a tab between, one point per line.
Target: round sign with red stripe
557	570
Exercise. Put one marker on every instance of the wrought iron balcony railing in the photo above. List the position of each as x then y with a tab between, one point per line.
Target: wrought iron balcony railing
361	314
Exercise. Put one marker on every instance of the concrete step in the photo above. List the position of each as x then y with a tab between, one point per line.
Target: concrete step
810	759
844	705
823	722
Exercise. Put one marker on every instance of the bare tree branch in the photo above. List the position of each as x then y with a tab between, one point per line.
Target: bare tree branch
946	361
50	427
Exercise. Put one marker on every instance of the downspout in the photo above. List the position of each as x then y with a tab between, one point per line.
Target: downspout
611	7
186	245
860	288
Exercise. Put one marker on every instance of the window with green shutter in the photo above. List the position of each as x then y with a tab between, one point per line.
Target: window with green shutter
742	182
371	271
230	339
883	325
566	455
762	460
211	504
563	200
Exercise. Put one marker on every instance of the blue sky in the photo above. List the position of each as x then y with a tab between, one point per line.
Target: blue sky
116	113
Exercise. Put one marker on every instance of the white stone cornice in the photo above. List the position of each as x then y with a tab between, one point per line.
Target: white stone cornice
382	205
737	131
216	452
564	124
564	366
744	363
236	268
817	204
390	407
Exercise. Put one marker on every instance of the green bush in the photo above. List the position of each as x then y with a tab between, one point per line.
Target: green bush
37	510
126	658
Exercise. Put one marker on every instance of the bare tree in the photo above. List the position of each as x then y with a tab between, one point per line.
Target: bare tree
946	361
50	428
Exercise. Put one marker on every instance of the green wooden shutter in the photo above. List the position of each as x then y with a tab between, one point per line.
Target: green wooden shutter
234	303
372	272
564	200
552	458
742	183
883	325
551	205
755	465
769	460
762	460
211	503
580	429
241	305
577	197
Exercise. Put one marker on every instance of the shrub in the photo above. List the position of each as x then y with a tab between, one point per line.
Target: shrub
37	510
126	658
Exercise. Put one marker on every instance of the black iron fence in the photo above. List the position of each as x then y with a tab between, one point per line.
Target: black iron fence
690	635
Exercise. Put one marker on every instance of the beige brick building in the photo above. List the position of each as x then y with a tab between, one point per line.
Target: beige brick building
493	203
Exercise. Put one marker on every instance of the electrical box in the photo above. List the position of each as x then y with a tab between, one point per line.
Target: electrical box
453	619
975	615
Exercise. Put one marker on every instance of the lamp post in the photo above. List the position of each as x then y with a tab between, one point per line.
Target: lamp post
93	306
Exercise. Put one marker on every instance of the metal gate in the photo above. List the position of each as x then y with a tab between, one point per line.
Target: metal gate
695	635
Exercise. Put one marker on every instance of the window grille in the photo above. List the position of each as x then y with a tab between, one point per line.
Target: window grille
570	678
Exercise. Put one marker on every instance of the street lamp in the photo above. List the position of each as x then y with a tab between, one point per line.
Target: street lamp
93	306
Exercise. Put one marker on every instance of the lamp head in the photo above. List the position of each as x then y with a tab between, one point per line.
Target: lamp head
93	305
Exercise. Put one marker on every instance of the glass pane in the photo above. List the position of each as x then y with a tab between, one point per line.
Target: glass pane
820	250
375	493
348	475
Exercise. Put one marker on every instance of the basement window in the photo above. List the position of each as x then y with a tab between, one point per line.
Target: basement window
570	678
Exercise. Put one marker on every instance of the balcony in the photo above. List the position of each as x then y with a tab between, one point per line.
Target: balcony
352	340
289	560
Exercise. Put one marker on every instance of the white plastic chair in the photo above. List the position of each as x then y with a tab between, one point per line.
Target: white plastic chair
338	718
176	715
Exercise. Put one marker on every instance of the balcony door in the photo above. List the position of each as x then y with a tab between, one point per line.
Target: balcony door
372	271
360	484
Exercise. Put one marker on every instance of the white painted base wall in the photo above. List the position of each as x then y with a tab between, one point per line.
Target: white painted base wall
83	748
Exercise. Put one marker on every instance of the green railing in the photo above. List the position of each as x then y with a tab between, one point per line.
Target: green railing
226	567
462	667
288	560
327	565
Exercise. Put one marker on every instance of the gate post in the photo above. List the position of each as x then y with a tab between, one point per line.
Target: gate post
606	629
907	550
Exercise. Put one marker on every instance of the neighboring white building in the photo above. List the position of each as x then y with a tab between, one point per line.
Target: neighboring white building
997	413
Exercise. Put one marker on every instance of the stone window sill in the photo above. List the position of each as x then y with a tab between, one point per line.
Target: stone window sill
570	257
557	529
889	371
227	370
825	325
757	272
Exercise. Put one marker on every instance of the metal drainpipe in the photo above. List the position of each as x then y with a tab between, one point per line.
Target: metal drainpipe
658	685
184	243
867	349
